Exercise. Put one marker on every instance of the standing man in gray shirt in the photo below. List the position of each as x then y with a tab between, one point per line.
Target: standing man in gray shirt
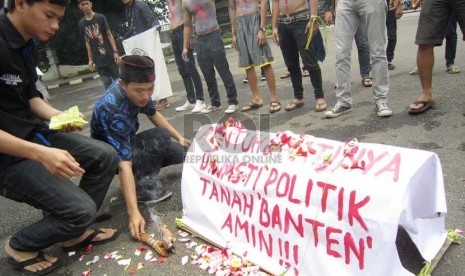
210	51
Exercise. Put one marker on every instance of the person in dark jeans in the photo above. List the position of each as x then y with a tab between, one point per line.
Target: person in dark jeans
394	12
451	46
37	164
100	44
290	26
189	74
140	156
210	51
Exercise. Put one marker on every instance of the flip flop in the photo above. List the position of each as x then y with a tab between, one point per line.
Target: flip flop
162	104
293	105
275	106
251	106
39	258
89	239
367	82
424	108
321	106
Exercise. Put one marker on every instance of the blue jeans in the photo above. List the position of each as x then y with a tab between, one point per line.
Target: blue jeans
108	74
211	55
154	149
292	40
71	209
189	74
361	40
451	41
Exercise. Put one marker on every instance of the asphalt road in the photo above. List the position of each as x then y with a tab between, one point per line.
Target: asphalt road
441	130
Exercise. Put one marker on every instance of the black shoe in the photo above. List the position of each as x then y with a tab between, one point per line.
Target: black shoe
391	66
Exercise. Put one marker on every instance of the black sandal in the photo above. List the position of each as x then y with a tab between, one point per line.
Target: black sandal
88	240
20	266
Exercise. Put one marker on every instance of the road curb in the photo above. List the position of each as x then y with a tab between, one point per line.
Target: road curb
74	81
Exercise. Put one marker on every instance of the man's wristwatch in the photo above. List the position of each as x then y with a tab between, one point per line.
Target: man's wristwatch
262	29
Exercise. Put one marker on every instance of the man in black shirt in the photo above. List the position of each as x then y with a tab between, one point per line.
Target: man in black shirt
36	164
100	44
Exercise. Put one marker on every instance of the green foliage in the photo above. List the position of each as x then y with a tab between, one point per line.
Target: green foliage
167	52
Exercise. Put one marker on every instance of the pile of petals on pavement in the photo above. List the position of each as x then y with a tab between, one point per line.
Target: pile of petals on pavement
220	262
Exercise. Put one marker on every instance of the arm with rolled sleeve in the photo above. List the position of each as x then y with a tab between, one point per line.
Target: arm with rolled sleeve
118	134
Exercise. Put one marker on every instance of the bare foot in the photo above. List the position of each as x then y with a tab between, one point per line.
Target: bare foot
258	101
20	256
107	233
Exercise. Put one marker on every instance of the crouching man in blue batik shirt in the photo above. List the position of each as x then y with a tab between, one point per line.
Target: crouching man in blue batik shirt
142	155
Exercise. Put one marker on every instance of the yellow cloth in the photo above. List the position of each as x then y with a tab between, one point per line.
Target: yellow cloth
70	116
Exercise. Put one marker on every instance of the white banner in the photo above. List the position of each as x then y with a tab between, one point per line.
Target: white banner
148	44
311	206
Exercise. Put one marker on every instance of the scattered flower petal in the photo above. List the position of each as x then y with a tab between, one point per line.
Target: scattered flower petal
184	260
124	262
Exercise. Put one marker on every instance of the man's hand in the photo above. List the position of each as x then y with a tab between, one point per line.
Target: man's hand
261	38
234	42
60	163
184	53
116	57
185	142
328	18
274	35
71	127
416	3
309	26
136	225
91	65
399	10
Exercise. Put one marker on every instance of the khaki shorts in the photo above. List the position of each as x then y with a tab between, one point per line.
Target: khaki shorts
250	53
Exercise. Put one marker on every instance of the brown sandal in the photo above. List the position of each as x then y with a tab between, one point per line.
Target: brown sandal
275	106
367	82
320	105
294	104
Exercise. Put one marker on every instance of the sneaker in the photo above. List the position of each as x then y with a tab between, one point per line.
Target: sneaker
199	106
210	108
383	110
231	109
184	107
391	66
414	71
452	69
337	111
152	196
262	78
245	80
